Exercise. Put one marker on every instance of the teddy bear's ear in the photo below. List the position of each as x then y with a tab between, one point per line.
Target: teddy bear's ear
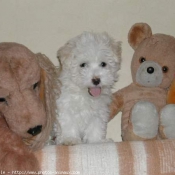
138	33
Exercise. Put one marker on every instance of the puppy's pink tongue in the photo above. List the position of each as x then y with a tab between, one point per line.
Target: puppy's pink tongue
95	91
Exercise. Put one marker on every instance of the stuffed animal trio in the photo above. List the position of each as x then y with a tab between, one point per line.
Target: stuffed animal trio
29	89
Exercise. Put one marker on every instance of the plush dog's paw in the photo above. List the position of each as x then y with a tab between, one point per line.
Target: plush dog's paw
167	122
144	118
68	141
15	161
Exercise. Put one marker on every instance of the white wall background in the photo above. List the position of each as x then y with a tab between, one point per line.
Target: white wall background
45	25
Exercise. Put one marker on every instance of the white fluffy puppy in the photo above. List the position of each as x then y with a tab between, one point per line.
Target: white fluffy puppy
89	63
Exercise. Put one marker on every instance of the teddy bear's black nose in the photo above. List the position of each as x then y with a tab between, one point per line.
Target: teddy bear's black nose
35	131
150	70
96	81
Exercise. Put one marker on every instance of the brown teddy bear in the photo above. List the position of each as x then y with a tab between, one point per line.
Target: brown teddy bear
28	92
145	114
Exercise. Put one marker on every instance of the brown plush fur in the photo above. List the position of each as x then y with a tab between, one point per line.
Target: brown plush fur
29	85
138	33
14	154
159	48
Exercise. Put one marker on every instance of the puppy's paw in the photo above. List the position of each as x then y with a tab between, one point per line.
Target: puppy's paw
99	140
69	141
107	141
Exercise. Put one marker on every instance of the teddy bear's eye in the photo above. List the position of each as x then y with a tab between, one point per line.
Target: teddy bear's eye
83	65
165	69
142	59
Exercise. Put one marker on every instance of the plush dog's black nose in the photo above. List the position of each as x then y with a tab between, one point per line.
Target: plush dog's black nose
96	81
150	70
35	131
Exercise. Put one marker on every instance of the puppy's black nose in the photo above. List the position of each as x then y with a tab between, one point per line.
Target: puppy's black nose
35	131
150	70
96	81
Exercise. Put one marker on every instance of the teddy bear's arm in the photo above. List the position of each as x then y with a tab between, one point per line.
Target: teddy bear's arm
171	94
116	104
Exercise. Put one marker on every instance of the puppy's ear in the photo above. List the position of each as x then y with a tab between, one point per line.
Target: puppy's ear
116	45
118	49
64	53
138	33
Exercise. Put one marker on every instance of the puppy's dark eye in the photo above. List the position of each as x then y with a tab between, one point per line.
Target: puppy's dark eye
35	85
3	100
142	59
103	64
165	69
83	65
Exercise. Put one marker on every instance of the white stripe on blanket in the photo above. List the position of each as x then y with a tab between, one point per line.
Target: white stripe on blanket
48	165
140	160
94	159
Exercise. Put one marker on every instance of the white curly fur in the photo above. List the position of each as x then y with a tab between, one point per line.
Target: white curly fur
83	117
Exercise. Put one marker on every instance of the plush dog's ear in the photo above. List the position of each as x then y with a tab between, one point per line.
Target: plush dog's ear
42	87
49	93
138	33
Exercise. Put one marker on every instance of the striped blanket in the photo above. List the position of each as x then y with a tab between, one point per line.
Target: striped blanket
123	158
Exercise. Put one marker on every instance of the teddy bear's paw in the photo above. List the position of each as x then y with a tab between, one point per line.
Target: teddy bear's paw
167	121
144	118
68	141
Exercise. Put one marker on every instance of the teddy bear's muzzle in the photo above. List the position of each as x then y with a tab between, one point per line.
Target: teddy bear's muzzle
149	74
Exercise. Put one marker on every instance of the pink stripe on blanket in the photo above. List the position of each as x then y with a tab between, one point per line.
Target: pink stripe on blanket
166	156
153	159
126	161
62	159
